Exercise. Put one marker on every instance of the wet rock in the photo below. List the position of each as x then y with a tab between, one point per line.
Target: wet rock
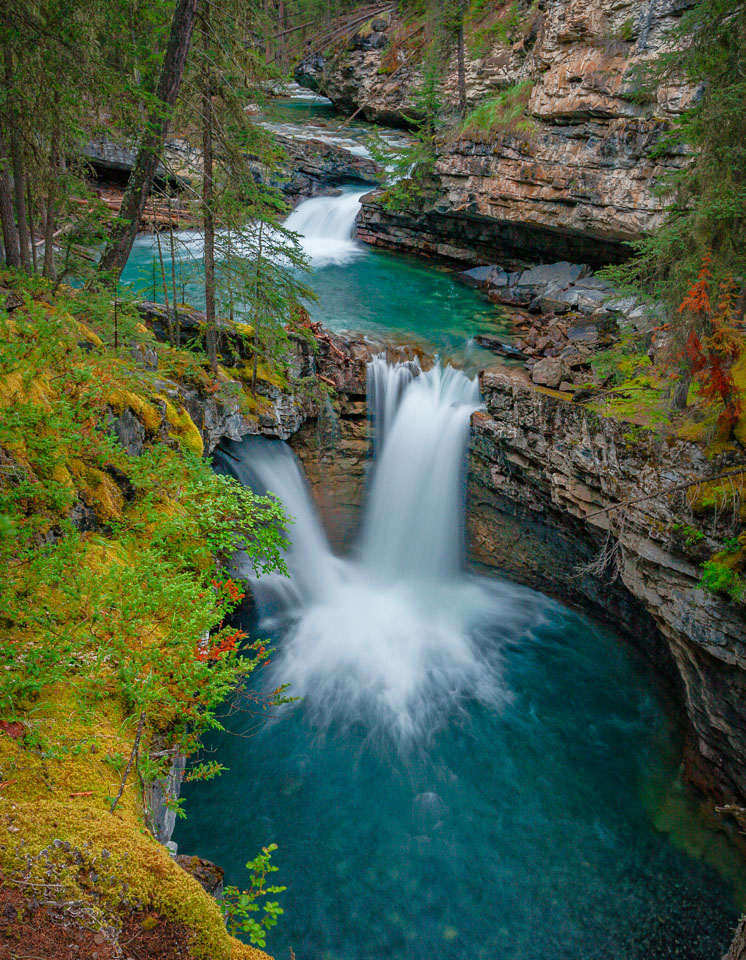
501	347
542	471
316	168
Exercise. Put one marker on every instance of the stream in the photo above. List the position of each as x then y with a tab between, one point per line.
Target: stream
472	769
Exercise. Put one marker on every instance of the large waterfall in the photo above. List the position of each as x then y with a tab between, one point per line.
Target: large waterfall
388	637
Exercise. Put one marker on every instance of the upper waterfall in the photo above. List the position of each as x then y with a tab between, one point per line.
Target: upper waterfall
326	226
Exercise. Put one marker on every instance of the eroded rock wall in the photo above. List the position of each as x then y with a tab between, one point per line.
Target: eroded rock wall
577	178
541	469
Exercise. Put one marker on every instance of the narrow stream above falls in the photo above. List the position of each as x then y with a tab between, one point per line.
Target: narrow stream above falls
360	289
473	770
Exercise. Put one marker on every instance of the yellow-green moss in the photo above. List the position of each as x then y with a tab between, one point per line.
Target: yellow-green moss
720	495
63	789
89	335
14	388
245	329
98	490
146	412
184	430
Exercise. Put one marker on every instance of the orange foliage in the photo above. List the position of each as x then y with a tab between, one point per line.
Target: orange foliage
714	343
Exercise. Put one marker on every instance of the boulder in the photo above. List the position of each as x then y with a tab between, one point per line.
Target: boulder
207	874
477	277
534	281
550	372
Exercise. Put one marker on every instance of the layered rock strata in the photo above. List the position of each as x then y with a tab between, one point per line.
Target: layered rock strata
278	410
543	475
314	168
575	176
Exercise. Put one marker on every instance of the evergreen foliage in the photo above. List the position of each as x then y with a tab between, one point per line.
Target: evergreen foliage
706	216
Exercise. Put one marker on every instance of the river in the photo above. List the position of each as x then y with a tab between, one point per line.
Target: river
472	769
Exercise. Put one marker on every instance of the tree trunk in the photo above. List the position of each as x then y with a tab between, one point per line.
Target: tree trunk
268	32
10	235
177	322
151	146
169	319
208	197
257	314
281	54
19	179
49	267
30	212
681	392
461	63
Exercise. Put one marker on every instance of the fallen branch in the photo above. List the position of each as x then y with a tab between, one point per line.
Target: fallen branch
733	471
133	754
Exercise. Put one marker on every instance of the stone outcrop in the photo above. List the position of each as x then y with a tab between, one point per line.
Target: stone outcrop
277	411
542	471
334	449
575	177
311	167
567	315
316	168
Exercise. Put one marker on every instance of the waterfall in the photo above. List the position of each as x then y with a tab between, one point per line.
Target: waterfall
390	637
414	518
386	384
326	225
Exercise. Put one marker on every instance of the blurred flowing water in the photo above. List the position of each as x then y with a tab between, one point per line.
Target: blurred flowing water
473	769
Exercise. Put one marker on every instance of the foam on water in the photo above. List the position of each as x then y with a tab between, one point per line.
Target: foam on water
390	637
325	226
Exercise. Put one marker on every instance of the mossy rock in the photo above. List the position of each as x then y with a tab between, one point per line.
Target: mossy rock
720	495
62	791
145	411
98	490
183	429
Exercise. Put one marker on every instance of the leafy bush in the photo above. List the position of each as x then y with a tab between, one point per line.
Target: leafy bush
239	906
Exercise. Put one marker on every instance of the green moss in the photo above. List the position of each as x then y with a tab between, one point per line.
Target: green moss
98	490
148	414
88	615
183	429
719	496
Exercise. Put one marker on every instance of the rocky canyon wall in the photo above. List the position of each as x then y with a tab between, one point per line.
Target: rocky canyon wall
575	178
541	471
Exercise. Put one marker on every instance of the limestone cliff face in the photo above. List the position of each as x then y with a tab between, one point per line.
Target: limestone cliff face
579	173
540	469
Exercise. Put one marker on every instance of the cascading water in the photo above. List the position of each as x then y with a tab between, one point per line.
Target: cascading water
326	225
473	769
388	637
